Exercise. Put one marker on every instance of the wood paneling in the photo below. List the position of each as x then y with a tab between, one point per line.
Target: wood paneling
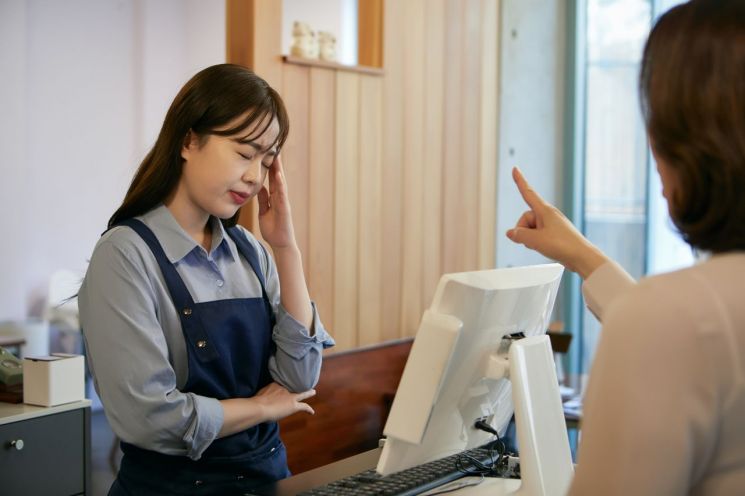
413	168
296	95
432	178
454	243
239	31
469	133
267	49
393	143
392	174
370	224
346	208
319	259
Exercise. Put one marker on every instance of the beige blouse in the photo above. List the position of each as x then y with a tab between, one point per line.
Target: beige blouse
664	411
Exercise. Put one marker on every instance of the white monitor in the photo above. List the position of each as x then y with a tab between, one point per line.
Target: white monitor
458	366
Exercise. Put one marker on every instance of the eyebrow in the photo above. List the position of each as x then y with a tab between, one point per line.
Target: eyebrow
257	147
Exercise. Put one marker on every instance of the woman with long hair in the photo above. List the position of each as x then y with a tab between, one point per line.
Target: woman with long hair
194	350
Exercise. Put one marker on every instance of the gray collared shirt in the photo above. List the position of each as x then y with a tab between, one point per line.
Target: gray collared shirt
135	345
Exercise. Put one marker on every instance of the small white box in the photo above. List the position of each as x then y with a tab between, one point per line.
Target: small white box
54	379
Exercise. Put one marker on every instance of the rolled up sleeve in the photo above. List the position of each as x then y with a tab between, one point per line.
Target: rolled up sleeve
129	359
296	363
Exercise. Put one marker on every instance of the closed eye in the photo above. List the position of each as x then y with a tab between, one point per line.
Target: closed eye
268	161
247	157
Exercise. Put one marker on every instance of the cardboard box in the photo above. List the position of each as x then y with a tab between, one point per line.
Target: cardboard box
54	379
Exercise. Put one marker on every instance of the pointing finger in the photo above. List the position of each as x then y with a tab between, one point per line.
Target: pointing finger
530	196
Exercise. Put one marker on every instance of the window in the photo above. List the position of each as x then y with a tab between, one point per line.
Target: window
620	208
666	251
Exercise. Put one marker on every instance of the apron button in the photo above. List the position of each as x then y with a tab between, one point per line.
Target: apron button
239	477
187	311
201	344
198	483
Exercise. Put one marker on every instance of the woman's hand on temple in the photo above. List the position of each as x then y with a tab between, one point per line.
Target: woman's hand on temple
546	230
275	216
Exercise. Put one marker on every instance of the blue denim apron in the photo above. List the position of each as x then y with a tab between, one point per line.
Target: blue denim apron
228	344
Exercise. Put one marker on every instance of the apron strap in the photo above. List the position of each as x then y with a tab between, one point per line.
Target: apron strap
182	299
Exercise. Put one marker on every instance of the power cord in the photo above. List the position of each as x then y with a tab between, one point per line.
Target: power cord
482	425
499	461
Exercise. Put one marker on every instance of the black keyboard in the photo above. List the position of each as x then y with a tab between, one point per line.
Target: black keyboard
409	482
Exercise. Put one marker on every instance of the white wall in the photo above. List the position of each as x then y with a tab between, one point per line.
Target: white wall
84	87
532	85
12	155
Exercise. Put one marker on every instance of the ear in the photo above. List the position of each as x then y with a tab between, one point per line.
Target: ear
189	144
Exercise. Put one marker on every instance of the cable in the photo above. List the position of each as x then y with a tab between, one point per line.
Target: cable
498	467
482	425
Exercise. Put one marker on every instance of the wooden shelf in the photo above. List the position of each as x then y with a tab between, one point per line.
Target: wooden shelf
375	71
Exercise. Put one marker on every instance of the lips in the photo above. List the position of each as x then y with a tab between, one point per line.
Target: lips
238	197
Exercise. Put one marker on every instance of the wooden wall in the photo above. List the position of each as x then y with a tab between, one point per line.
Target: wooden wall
392	176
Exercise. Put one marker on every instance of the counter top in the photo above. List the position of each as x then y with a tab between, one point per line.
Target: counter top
14	412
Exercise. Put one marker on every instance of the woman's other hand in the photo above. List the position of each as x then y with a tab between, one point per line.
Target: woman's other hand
275	216
546	230
271	403
278	403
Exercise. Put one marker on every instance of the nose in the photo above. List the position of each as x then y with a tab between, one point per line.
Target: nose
253	173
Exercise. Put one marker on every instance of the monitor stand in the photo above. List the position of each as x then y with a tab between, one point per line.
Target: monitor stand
546	467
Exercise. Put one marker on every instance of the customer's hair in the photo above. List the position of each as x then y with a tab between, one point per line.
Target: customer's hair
692	87
213	98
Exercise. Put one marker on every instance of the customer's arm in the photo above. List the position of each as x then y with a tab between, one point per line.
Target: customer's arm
546	230
605	284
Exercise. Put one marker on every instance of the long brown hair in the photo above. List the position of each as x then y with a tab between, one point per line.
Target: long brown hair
692	87
211	99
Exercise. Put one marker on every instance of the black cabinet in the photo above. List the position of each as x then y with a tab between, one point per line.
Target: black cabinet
47	454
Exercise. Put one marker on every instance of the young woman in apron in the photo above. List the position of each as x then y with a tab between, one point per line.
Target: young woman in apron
194	351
